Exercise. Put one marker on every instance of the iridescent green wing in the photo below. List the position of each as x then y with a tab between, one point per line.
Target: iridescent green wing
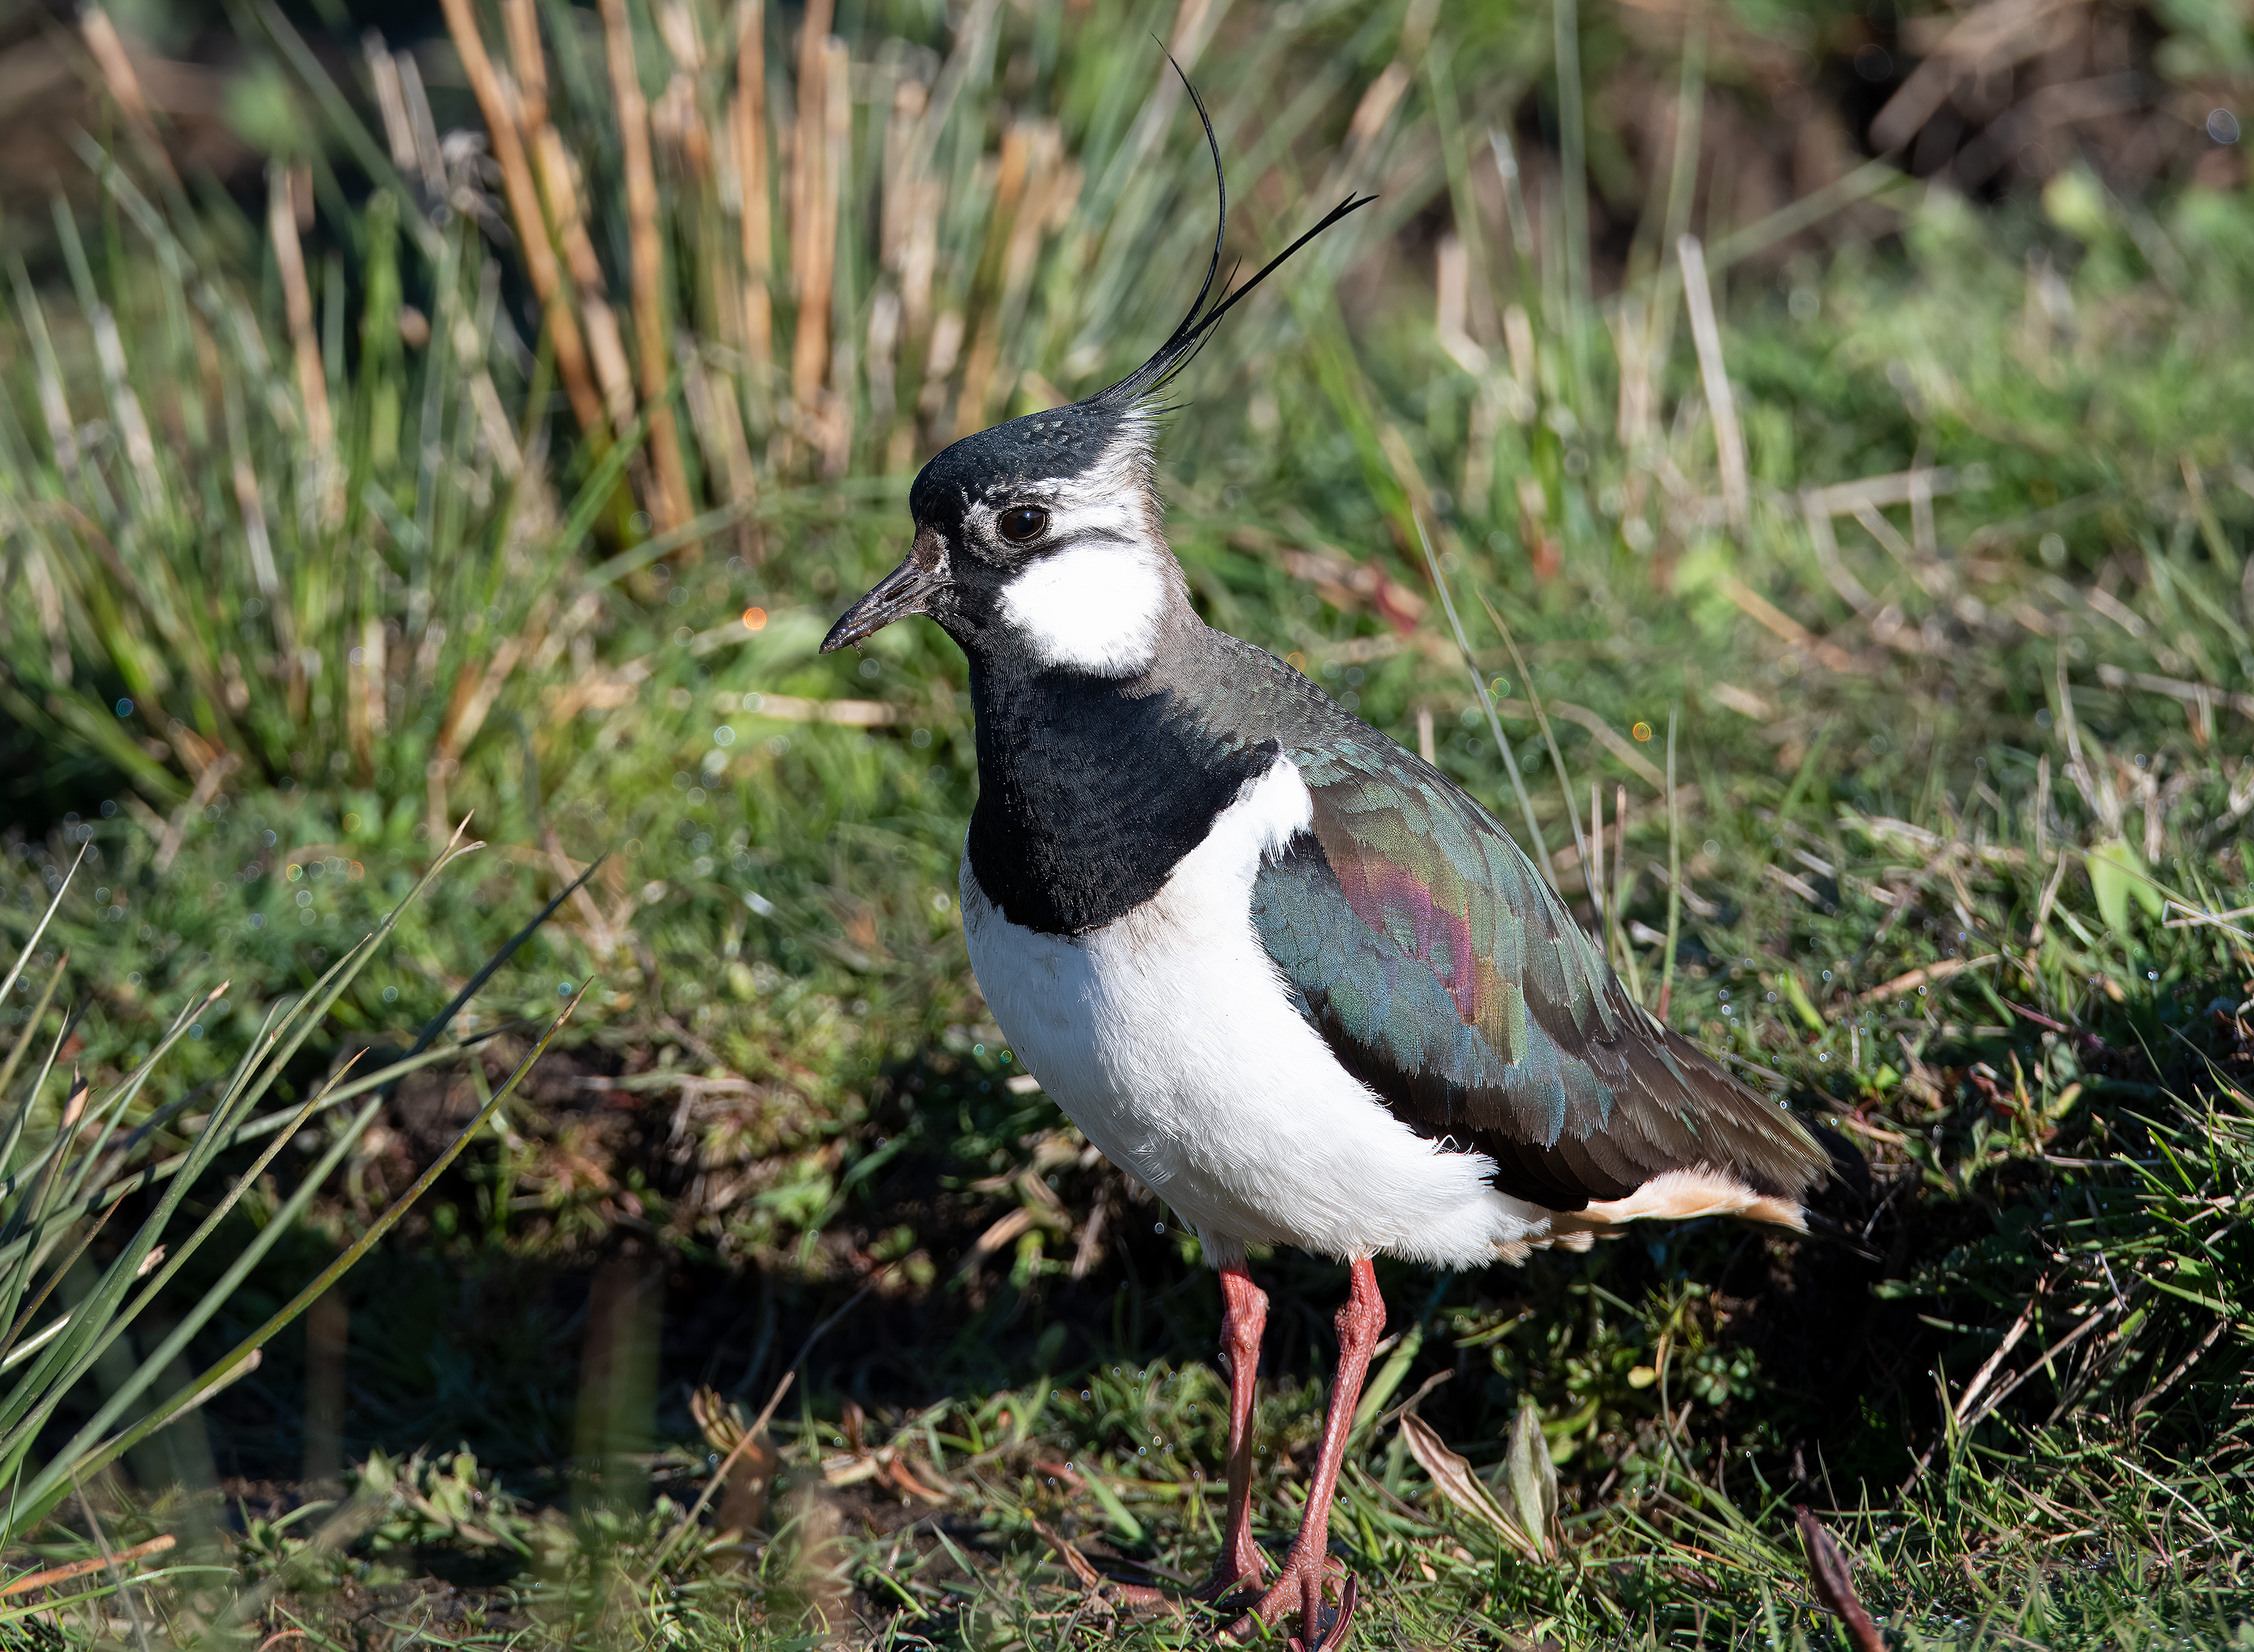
1445	973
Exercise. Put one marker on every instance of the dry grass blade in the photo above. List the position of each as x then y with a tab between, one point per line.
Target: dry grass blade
21	1046
1721	403
176	830
1674	876
2190	693
1595	874
1924	976
1572	140
1556	757
1487	704
1751	602
1067	1551
227	1379
80	1568
45	918
1607	735
1623	881
60	1323
1994	1363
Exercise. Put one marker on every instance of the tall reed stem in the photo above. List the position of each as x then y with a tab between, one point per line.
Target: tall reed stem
670	505
540	264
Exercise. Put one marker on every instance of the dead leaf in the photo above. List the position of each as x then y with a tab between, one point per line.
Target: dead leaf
1455	1480
1531	1478
1831	1574
751	1471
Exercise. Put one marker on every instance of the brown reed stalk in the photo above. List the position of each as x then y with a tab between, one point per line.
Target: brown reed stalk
1051	198
719	432
670	506
911	201
559	192
883	361
391	102
907	250
747	117
524	207
297	304
903	151
813	253
360	676
837	136
559	183
372	643
1012	176
520	20
676	118
109	55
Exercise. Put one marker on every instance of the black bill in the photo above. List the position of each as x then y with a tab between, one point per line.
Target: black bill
907	590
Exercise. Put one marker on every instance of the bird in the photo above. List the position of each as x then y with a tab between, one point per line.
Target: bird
1287	975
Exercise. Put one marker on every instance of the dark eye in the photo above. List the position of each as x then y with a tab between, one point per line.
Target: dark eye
1021	524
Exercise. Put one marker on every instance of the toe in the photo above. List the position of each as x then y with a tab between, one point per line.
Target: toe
1286	1598
1227	1581
1330	1634
1140	1597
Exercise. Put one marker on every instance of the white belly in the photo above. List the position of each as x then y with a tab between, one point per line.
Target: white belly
1170	1040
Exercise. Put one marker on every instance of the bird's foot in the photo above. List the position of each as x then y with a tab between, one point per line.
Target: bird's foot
1232	1575
1131	1596
1300	1588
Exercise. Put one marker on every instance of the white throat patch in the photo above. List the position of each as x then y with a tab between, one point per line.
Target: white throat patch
1092	607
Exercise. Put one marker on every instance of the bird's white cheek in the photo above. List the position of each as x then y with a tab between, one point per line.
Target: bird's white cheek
1093	607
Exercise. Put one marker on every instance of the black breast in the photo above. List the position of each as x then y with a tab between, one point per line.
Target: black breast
1090	789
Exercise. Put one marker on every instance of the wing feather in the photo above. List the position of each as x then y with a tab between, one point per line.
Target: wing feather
1446	975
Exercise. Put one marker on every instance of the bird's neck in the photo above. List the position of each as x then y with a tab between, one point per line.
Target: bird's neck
1092	788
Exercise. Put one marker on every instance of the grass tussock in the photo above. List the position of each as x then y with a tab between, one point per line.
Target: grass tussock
1852	607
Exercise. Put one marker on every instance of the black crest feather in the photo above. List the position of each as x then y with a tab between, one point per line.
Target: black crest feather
1196	327
1065	441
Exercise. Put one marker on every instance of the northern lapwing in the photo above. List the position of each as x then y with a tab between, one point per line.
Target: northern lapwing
1291	978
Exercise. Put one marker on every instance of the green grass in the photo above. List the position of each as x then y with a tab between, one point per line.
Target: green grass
1996	732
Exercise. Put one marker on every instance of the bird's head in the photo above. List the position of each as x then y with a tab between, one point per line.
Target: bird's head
1042	535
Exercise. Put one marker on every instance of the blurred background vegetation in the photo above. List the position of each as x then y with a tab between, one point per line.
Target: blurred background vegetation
1832	428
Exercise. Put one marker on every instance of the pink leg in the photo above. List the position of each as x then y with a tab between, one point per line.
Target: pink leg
1360	1322
1244	1318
